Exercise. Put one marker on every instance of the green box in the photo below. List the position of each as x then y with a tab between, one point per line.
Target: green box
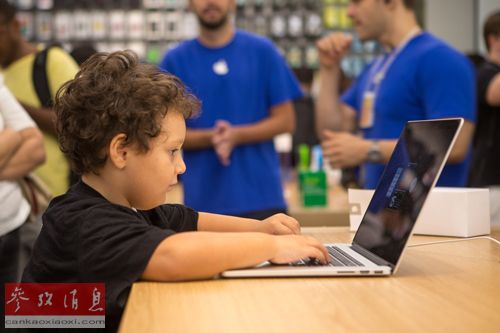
313	188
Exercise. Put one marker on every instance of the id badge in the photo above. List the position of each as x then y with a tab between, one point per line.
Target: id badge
366	118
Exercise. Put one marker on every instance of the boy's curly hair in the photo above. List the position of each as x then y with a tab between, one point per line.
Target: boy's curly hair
113	93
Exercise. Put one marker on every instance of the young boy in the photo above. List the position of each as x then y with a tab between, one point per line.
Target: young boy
122	126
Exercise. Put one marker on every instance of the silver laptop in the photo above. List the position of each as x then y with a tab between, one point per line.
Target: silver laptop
377	247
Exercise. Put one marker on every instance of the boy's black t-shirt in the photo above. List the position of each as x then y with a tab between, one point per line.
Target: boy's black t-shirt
85	238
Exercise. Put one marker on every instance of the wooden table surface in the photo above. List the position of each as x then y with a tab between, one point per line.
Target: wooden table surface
449	287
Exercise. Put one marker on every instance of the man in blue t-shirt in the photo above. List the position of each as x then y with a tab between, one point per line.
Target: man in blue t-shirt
420	77
247	90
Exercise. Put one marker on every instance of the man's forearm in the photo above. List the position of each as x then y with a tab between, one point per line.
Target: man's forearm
328	107
198	139
281	120
27	157
461	147
493	91
10	142
45	118
261	131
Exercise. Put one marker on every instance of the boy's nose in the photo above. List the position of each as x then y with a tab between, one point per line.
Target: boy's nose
181	166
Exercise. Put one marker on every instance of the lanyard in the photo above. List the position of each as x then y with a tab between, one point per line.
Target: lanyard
384	62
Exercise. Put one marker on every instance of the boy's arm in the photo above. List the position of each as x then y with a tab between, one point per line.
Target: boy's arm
199	255
278	224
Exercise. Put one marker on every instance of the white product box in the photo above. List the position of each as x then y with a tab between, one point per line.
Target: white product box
456	212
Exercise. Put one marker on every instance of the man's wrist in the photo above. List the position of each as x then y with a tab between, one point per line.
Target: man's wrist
237	135
332	69
374	154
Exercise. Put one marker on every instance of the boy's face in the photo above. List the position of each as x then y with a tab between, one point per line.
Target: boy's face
152	174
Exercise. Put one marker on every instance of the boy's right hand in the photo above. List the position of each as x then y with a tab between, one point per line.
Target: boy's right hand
291	248
332	48
281	224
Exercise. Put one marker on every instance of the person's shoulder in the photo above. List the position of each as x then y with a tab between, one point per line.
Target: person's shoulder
75	202
58	54
488	67
432	53
180	48
486	72
254	39
177	53
79	205
430	46
61	64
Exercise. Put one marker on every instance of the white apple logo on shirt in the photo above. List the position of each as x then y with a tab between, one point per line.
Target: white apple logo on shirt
220	67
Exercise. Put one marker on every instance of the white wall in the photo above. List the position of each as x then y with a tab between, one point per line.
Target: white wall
485	8
459	22
453	21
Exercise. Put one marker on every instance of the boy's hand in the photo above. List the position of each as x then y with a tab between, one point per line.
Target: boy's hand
291	248
282	224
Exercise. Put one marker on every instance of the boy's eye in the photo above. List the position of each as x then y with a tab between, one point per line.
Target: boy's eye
173	152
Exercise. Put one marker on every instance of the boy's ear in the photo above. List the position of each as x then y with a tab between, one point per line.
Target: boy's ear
118	151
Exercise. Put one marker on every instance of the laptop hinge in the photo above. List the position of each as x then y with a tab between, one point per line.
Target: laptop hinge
371	256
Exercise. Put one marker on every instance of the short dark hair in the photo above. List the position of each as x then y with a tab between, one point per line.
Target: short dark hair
7	11
410	4
491	27
113	93
81	52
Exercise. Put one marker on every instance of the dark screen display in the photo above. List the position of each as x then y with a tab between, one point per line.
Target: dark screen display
403	187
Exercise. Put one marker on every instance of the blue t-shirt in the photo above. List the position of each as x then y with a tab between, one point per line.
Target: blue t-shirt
427	80
239	82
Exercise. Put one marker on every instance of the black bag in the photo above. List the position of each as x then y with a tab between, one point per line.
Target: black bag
42	88
40	79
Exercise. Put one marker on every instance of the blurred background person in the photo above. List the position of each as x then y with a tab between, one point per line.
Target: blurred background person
247	90
420	77
21	150
82	51
34	75
485	170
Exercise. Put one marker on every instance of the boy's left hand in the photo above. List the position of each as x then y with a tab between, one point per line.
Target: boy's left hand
282	224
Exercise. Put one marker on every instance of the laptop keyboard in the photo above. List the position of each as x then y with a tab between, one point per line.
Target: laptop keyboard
338	258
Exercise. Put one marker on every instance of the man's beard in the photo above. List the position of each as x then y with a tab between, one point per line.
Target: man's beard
215	25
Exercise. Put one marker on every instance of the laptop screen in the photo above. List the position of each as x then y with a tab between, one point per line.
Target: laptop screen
404	185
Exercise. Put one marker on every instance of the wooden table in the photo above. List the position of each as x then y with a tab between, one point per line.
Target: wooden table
450	287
